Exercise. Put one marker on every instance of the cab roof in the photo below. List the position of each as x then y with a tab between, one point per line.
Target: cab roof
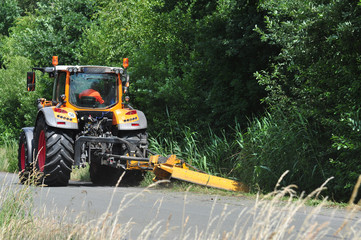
81	68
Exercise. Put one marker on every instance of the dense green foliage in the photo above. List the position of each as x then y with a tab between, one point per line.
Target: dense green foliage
9	11
198	65
17	107
189	59
317	74
53	29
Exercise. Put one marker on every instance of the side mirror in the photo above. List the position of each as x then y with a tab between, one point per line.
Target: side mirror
31	81
125	81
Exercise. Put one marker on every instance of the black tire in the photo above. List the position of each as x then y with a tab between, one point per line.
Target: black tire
23	161
56	161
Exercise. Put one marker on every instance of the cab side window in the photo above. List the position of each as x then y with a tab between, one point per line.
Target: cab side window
60	86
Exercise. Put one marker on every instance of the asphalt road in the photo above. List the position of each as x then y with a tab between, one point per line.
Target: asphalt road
177	215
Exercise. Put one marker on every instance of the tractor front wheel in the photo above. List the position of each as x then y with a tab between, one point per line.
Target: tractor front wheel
23	161
54	153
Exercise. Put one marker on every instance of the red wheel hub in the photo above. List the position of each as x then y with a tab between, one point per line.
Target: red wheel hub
41	151
22	157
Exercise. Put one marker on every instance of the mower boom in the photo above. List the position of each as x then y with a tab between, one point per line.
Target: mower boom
172	167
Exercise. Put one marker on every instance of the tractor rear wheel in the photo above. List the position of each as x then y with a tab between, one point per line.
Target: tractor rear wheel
23	161
54	152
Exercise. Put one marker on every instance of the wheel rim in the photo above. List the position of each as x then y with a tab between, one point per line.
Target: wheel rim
22	157
41	151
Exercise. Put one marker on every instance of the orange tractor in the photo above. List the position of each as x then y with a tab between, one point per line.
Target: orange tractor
90	121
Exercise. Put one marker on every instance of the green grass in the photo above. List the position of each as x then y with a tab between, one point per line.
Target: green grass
212	154
9	156
80	174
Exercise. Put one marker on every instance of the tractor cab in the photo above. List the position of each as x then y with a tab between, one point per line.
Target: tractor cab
93	90
85	87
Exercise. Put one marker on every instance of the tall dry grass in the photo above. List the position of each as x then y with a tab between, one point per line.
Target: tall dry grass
270	217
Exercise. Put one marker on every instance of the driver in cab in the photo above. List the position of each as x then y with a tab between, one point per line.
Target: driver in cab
92	92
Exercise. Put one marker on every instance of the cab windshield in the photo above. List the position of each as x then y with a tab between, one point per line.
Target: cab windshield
93	90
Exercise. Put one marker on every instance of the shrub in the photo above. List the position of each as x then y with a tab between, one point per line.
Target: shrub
17	107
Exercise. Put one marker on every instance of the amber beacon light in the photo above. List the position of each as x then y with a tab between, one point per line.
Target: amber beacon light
125	62
55	61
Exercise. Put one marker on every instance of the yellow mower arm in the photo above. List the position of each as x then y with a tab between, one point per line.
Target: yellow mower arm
172	167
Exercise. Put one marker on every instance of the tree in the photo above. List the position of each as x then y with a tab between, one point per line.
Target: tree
192	61
54	29
17	107
28	5
319	62
228	52
9	11
317	74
